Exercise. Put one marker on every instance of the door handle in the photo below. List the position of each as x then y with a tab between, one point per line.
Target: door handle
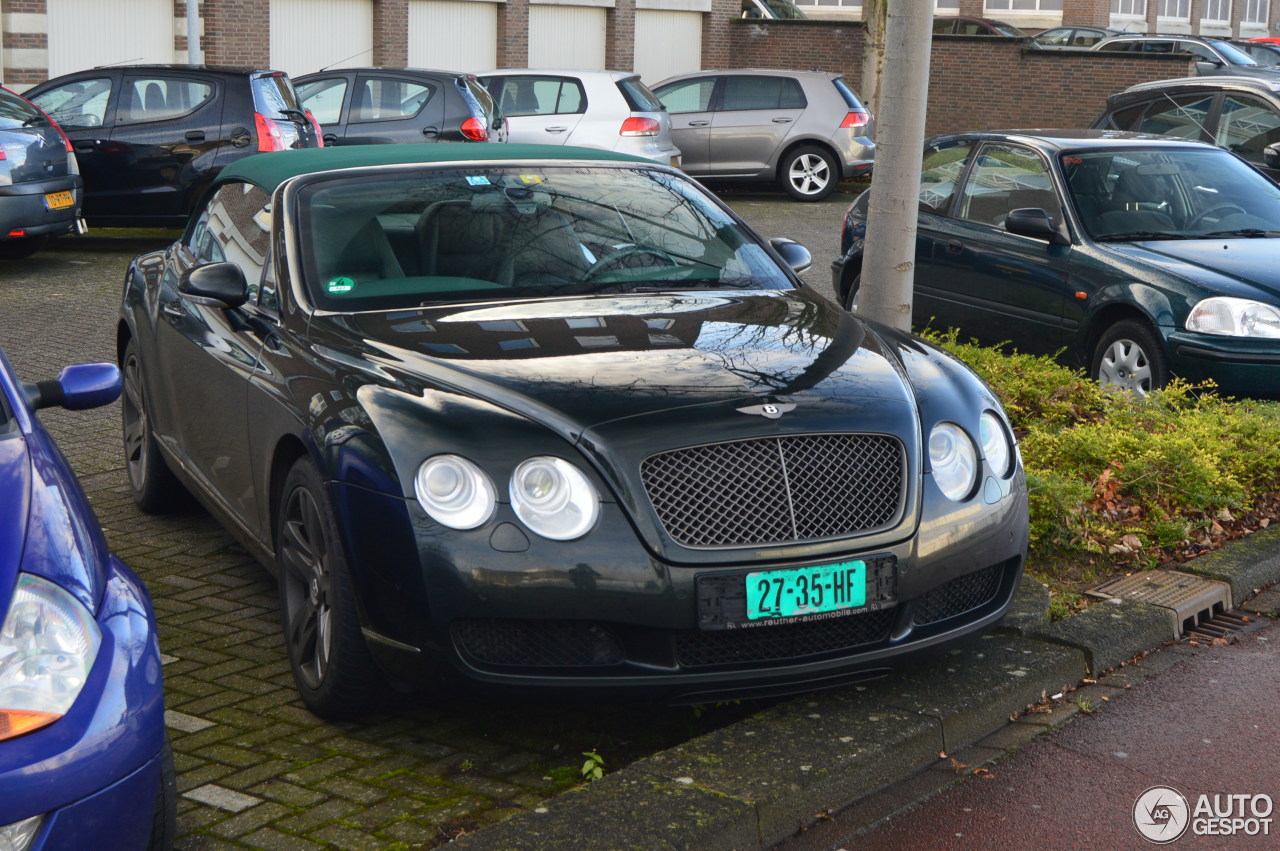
174	309
330	139
955	246
194	136
559	128
431	132
782	121
699	123
86	144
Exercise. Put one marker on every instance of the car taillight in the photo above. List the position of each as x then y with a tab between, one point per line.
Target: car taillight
269	136
315	125
856	119
639	127
475	130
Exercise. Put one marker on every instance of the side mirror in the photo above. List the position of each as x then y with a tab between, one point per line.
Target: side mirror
1208	66
215	285
1271	155
792	253
77	388
1035	222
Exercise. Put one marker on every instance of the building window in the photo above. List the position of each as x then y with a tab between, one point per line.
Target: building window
1217	10
1178	10
1255	12
1132	8
1024	5
948	6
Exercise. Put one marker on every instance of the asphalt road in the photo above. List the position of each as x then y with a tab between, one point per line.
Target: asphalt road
1206	726
255	770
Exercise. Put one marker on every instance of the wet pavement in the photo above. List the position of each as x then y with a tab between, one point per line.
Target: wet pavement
1202	721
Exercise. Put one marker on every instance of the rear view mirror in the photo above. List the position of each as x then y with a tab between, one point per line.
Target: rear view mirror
78	388
1035	222
215	285
1271	155
792	253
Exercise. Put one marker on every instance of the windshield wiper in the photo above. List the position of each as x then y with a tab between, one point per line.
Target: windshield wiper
1136	235
296	114
1246	233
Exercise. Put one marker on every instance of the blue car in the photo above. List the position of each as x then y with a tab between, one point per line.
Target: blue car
84	758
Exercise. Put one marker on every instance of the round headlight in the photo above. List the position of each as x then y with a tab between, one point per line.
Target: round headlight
995	443
553	498
1234	317
953	459
454	491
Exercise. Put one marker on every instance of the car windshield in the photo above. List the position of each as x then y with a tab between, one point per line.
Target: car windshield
406	238
1233	54
1170	193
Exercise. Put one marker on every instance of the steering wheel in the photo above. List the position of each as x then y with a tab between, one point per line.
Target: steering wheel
618	257
1222	211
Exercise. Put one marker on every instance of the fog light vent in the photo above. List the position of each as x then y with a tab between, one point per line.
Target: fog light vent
1191	600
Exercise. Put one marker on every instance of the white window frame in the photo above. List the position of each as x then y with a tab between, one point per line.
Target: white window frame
1129	9
1222	9
1254	12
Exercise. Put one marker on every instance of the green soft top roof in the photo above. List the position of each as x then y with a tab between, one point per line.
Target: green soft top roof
271	169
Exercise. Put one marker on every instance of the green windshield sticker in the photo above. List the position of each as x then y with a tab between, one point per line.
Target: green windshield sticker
341	284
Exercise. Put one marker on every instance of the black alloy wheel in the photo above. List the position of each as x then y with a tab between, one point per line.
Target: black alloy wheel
155	489
334	671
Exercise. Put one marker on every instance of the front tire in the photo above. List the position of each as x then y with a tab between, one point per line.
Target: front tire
1129	356
155	489
332	666
809	173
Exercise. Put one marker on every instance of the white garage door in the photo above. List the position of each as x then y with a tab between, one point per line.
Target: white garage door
307	35
566	37
667	43
86	33
453	35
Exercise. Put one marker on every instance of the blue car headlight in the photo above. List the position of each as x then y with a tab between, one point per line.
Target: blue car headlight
47	646
1235	317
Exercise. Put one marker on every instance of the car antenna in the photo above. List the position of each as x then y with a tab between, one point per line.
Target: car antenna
353	56
1184	111
121	62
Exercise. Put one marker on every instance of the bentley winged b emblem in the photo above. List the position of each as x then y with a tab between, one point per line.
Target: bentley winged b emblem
771	410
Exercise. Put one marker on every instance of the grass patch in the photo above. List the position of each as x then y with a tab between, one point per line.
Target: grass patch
1118	483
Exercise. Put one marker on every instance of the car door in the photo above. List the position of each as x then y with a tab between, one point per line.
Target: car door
208	354
688	102
167	132
753	115
84	108
327	98
992	284
387	108
540	109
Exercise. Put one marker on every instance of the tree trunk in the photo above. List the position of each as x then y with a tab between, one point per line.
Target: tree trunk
873	21
888	267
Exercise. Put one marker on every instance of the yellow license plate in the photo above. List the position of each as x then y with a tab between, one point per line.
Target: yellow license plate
59	200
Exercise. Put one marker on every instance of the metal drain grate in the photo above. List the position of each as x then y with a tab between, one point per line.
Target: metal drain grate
1227	626
1191	600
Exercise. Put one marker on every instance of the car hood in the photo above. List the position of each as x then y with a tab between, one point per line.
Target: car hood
15	499
1237	267
576	363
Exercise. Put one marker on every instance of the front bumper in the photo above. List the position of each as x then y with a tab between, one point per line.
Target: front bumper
1240	367
603	615
95	774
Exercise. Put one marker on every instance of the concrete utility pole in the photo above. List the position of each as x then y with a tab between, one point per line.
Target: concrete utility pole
888	266
195	56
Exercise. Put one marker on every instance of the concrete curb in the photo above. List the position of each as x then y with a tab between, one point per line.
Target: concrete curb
755	783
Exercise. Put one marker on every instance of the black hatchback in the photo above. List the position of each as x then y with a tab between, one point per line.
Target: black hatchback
40	186
375	106
150	138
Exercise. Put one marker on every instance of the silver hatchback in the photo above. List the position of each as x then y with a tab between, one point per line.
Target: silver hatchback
612	110
806	130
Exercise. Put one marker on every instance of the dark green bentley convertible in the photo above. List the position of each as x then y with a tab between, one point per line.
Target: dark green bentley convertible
557	420
1139	256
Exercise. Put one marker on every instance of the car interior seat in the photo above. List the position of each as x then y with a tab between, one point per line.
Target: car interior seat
463	238
354	247
153	98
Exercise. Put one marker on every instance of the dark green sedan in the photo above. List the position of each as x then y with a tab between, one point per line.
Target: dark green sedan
1140	257
555	419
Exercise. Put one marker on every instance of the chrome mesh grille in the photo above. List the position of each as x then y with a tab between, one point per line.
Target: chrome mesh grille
777	489
540	644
